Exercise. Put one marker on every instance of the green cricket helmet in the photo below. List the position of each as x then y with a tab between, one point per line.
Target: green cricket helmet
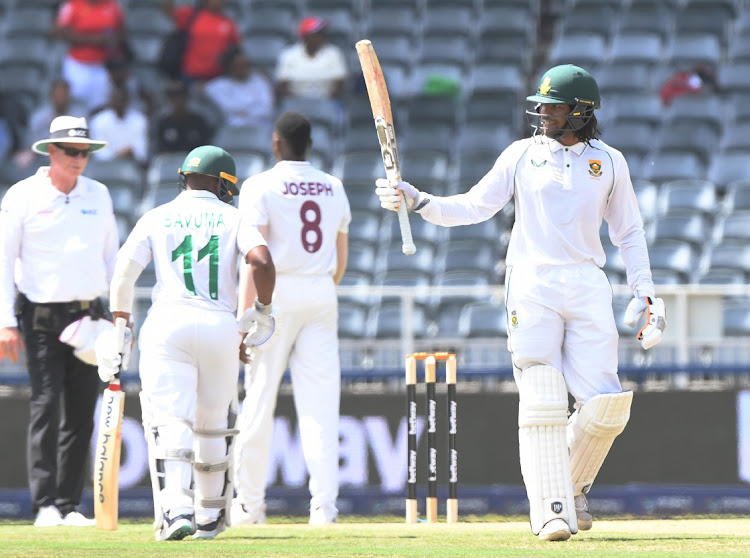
566	85
212	161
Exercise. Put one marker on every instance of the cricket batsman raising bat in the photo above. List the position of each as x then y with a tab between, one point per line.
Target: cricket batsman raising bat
381	111
107	457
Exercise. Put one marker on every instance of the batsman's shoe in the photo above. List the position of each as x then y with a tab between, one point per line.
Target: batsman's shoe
209	531
555	530
585	519
243	516
48	516
77	519
323	515
176	528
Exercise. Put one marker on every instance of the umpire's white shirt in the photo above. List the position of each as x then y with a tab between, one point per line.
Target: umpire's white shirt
561	194
55	247
195	242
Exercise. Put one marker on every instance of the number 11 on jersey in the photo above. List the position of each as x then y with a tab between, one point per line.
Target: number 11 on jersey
211	249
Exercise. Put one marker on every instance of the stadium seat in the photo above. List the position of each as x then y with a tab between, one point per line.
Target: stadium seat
387	20
631	137
489	78
691	228
449	20
384	321
736	319
738	196
736	138
163	168
735	226
361	258
673	165
687	50
468	256
352	320
727	167
648	17
360	166
393	259
619	78
365	226
690	135
432	109
483	319
689	195
584	49
676	258
455	49
730	255
636	47
423	232
248	139
248	164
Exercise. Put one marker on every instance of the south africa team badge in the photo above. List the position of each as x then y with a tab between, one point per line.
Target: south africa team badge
514	319
595	168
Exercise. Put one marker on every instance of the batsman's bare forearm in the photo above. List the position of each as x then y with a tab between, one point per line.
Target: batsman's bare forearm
262	272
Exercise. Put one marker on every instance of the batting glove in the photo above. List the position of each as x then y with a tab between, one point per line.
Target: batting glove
390	196
259	324
656	319
112	356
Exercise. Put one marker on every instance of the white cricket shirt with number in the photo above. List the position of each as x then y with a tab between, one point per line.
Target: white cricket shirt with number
55	247
195	242
561	194
305	208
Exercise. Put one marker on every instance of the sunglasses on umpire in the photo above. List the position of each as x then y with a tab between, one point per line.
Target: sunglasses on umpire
73	152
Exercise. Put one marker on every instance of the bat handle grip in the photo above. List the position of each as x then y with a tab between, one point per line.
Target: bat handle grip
121	325
407	242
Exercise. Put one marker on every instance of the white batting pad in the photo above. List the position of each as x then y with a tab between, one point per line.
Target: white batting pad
591	431
545	463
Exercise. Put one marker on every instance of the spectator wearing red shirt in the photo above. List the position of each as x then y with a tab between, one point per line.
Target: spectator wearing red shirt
696	80
94	30
210	35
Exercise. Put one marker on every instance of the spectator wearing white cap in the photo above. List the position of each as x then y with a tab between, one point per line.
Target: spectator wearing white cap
312	67
58	242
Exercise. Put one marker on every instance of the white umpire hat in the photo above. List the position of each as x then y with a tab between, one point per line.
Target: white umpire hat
67	129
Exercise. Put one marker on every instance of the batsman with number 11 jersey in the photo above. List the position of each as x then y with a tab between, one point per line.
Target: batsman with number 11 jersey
190	340
304	215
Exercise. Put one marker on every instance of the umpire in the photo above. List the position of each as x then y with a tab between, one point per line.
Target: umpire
58	242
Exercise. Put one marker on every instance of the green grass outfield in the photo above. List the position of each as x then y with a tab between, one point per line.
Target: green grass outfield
678	538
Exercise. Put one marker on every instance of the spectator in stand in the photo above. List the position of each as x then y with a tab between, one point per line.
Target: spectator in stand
210	34
180	129
120	76
123	127
95	31
244	94
696	80
59	103
313	67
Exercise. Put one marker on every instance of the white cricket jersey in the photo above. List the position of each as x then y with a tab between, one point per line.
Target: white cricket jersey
561	195
55	247
304	208
195	241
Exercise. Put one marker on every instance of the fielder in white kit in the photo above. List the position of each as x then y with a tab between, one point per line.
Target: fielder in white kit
304	215
561	328
190	341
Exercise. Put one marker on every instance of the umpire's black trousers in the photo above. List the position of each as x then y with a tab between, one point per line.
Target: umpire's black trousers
58	443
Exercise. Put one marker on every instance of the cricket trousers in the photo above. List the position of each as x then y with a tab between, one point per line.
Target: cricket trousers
64	390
